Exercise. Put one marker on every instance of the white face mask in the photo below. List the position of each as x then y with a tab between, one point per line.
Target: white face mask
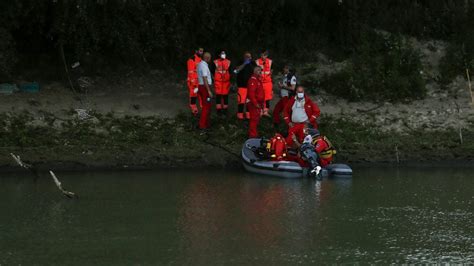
223	56
300	95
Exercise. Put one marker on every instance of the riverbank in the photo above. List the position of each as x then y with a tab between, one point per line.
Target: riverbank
114	141
141	120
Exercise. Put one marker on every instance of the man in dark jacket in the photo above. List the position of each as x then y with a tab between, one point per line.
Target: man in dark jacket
243	71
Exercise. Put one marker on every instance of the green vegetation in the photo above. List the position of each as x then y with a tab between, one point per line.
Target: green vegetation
111	141
382	68
459	57
105	34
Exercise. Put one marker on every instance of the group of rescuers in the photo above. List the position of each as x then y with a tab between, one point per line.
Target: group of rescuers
255	91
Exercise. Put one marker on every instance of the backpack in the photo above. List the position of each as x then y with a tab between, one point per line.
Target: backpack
277	148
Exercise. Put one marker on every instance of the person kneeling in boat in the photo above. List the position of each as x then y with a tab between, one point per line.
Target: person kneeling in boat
322	146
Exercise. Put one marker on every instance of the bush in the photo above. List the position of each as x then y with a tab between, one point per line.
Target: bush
7	53
459	57
382	68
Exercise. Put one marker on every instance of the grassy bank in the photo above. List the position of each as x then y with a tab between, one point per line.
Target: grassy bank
113	141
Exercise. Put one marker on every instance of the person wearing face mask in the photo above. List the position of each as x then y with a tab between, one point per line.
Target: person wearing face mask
221	69
299	110
287	89
266	64
243	72
192	80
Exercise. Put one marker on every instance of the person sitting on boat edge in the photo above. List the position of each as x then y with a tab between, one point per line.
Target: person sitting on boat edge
323	147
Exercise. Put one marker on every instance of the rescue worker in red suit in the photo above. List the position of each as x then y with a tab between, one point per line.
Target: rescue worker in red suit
192	80
322	146
221	69
205	84
244	71
300	110
256	103
266	64
287	90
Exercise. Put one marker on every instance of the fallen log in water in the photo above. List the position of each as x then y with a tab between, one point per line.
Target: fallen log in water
30	167
33	169
66	193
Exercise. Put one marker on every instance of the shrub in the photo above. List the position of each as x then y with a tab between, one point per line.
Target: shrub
459	57
382	68
7	53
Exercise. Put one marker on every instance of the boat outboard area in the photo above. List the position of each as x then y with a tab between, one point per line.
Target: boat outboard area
285	168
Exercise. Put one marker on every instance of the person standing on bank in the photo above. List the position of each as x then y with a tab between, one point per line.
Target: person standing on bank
243	71
256	102
266	64
287	90
300	110
192	80
204	91
222	77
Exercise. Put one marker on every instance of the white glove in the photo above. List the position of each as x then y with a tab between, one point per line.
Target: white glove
196	90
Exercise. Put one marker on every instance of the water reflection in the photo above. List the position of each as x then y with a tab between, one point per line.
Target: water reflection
379	217
256	213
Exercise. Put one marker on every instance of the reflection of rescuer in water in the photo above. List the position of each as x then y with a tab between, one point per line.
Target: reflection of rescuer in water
192	80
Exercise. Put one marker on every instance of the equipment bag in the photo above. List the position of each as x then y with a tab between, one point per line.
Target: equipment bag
277	147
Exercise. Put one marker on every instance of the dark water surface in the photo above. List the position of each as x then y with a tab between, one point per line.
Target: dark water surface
383	215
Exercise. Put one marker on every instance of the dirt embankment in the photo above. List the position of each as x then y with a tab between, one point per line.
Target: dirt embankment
143	121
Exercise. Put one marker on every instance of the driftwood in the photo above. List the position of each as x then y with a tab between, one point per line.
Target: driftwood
29	167
33	169
66	193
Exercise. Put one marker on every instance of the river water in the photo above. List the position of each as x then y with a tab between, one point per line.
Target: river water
381	215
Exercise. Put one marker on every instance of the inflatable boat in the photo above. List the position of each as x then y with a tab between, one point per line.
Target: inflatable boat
285	169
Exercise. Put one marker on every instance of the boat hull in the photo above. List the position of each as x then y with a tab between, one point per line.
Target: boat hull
286	169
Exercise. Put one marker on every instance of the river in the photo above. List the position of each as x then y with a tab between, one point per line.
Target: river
382	215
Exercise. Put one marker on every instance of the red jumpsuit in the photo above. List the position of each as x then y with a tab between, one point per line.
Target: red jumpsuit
192	83
256	95
312	111
267	83
222	83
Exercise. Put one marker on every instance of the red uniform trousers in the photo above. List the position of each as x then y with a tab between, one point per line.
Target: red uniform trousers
255	114
222	94
241	102
325	162
279	108
296	129
193	97
205	119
